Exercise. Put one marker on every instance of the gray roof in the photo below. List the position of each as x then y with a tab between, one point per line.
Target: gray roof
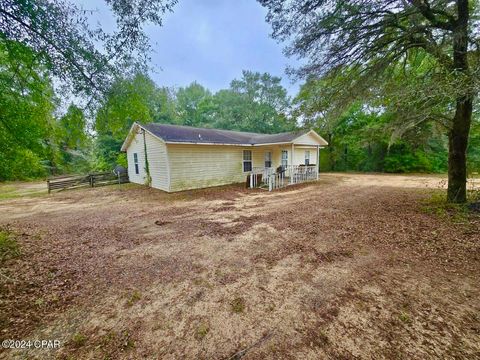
187	134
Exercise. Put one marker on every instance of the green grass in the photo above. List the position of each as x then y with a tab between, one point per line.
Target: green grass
9	247
437	205
202	331
13	190
133	298
404	317
78	340
238	305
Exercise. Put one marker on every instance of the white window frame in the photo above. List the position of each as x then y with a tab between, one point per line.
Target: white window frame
307	157
268	159
284	159
135	163
244	161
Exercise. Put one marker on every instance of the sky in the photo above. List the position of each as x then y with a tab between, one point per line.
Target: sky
211	42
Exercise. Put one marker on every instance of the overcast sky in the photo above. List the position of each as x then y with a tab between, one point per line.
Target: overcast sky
211	42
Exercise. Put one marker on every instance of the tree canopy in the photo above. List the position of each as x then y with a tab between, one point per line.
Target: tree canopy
375	48
77	53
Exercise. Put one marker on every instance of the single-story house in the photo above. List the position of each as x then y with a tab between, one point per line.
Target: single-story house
174	158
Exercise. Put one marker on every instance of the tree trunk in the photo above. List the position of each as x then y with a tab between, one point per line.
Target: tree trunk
458	135
457	151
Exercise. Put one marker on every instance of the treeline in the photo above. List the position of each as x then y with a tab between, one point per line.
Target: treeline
364	141
375	133
38	138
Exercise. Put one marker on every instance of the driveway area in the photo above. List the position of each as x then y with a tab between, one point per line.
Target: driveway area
351	266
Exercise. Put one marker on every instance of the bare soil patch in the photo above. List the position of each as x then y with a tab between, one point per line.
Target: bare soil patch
348	267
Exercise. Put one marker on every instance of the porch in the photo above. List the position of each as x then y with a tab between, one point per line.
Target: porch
270	178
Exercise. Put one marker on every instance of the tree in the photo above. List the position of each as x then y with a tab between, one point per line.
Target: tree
194	105
72	129
59	34
256	102
370	39
129	99
26	114
73	141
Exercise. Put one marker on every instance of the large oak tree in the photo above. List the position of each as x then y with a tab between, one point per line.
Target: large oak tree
369	40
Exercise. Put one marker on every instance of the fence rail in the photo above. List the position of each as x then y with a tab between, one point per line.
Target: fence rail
90	180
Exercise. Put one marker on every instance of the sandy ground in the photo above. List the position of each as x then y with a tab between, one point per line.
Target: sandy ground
352	266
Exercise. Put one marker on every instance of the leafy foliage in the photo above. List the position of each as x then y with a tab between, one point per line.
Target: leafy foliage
26	113
420	57
60	35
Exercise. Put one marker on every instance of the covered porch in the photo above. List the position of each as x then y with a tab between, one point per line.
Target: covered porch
275	167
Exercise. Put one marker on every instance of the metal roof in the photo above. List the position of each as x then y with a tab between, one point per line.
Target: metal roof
187	134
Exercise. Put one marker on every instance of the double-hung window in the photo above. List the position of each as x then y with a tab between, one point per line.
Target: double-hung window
247	160
284	158
307	157
135	161
268	159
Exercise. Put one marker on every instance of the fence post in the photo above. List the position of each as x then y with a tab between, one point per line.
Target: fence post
91	178
48	186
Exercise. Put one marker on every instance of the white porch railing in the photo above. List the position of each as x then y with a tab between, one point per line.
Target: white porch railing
259	175
302	173
273	179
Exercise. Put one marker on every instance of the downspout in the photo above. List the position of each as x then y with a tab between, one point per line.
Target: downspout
148	180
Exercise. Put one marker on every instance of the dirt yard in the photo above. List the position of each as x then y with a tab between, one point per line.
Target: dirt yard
352	266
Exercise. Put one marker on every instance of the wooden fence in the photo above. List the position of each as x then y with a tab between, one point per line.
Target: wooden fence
90	180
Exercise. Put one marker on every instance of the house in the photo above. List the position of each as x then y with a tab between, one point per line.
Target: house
174	158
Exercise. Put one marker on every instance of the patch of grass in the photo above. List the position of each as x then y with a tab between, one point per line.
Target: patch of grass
78	340
13	190
113	342
202	331
437	205
323	338
238	305
9	248
40	302
134	297
404	317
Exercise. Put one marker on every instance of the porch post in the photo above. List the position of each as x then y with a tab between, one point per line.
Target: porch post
291	164
318	161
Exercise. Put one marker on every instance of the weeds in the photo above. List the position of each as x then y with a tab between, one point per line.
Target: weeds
202	331
78	340
113	342
404	317
133	298
238	305
437	205
9	248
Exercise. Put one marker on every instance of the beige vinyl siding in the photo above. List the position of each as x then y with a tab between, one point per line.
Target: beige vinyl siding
299	155
199	166
310	139
136	146
157	161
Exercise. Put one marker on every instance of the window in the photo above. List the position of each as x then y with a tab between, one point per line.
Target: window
284	158
247	160
135	161
307	157
268	159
